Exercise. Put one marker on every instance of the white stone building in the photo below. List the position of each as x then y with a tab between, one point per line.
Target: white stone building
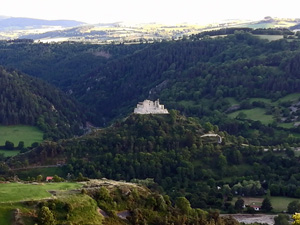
150	107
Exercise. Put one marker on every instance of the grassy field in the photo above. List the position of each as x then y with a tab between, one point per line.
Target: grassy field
286	125
14	192
295	134
279	204
256	114
253	201
5	215
28	134
85	209
232	101
270	37
8	153
292	97
265	100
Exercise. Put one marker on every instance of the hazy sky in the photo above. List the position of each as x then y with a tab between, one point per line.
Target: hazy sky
170	11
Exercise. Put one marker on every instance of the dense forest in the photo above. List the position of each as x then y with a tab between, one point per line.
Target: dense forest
196	75
209	78
170	151
30	101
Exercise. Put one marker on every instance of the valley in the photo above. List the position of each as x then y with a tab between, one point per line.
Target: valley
229	138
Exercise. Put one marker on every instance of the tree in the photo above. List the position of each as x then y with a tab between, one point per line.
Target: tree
46	216
266	205
293	207
282	219
222	162
296	218
81	178
241	116
39	178
21	145
34	144
208	127
239	204
183	204
57	179
9	145
103	195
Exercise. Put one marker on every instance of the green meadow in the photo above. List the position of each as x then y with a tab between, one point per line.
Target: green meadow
15	192
269	37
85	209
291	97
15	134
9	153
12	195
259	114
256	114
264	100
232	101
279	204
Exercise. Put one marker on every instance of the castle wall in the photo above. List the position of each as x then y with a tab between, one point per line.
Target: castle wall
150	107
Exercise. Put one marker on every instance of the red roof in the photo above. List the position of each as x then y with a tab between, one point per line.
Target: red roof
49	178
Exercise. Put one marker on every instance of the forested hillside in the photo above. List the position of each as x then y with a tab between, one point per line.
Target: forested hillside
30	101
170	151
61	64
246	85
205	72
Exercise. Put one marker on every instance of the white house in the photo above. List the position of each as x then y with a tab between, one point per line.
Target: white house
255	207
150	107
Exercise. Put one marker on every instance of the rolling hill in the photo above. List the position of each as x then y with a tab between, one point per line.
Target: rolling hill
19	23
170	154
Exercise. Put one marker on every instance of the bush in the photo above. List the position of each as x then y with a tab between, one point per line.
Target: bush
9	145
46	217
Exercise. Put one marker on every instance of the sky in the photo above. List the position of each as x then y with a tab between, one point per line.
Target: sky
166	11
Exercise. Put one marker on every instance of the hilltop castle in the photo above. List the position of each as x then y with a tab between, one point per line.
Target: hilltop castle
150	107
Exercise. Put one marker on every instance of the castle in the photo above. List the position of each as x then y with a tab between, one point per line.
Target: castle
150	107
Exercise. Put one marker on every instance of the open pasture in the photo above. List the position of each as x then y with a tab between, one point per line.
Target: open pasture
14	192
15	134
256	114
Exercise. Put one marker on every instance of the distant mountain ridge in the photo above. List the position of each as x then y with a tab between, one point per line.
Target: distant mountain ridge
15	23
122	32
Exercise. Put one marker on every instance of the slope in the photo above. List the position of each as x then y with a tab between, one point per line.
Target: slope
104	202
19	23
198	76
203	72
170	154
30	101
